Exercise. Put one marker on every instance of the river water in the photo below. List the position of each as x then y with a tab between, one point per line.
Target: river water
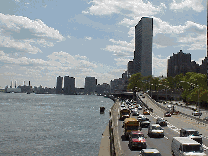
49	124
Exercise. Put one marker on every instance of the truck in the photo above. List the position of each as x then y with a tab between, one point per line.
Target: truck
191	133
130	124
184	146
124	113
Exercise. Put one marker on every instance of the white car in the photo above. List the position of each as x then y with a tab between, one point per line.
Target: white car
155	130
169	106
139	107
196	113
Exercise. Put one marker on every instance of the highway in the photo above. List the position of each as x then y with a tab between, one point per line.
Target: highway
172	130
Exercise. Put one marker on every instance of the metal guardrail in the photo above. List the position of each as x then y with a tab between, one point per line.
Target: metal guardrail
181	113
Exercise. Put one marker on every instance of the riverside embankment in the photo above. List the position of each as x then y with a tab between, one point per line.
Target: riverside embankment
110	142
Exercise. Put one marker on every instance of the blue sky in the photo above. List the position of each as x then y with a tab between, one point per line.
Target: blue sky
40	40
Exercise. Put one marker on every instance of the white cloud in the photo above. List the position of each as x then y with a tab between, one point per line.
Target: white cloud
122	61
21	61
160	65
88	38
196	5
120	48
59	63
135	7
21	46
20	33
191	35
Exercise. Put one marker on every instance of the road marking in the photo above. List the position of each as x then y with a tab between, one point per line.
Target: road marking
166	137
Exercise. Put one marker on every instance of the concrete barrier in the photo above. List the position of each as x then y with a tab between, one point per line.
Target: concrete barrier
115	147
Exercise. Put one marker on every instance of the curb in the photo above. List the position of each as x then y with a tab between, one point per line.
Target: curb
105	143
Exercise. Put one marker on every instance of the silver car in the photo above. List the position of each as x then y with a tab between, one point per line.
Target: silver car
155	130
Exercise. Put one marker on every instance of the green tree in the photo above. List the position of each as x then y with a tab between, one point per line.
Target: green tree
135	81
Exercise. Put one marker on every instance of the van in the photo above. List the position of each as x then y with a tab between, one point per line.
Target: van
185	146
191	133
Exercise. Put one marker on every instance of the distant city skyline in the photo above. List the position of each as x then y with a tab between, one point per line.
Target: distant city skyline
93	38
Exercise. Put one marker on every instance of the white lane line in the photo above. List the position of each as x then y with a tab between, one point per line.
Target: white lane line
166	137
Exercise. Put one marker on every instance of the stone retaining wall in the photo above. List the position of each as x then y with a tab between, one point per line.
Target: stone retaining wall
115	147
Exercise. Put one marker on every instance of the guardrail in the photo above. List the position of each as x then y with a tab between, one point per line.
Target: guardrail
181	113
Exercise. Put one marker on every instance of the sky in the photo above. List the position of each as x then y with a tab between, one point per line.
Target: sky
43	39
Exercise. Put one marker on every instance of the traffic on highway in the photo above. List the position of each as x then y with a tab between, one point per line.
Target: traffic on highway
147	130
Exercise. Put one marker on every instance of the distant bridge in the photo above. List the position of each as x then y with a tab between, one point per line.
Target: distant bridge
124	95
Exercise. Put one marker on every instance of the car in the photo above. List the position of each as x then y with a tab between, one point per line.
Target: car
137	140
205	119
139	107
144	122
167	114
140	117
146	112
169	106
161	122
135	112
140	95
149	152
155	130
164	102
196	113
143	96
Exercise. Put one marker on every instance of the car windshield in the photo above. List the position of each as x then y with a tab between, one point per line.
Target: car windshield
194	133
125	113
137	135
156	128
145	119
151	154
132	127
192	148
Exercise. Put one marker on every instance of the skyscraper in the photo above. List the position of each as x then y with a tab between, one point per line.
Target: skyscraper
130	68
59	85
143	46
69	85
90	85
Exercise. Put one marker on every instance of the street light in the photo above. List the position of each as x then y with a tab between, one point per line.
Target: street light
198	94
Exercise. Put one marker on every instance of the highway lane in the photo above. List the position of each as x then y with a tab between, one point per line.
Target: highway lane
176	122
162	144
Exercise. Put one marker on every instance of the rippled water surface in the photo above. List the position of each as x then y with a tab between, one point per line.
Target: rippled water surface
41	124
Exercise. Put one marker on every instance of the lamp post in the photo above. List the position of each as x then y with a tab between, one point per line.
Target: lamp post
197	105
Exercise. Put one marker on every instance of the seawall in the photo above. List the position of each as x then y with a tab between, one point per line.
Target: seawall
110	142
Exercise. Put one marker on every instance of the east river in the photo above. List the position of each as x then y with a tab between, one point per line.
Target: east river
49	124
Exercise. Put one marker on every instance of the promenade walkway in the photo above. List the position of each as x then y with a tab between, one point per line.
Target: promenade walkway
105	143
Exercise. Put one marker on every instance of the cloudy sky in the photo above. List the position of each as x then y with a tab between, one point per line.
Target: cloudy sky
40	40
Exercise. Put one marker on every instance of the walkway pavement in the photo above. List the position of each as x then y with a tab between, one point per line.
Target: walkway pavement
105	143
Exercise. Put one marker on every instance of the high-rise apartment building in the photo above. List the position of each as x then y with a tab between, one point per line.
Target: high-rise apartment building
90	85
130	68
143	46
69	85
181	63
59	83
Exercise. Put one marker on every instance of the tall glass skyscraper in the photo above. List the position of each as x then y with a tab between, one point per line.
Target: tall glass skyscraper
59	85
143	46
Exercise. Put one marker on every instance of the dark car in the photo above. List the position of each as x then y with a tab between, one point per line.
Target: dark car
167	114
144	122
205	119
137	140
161	122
